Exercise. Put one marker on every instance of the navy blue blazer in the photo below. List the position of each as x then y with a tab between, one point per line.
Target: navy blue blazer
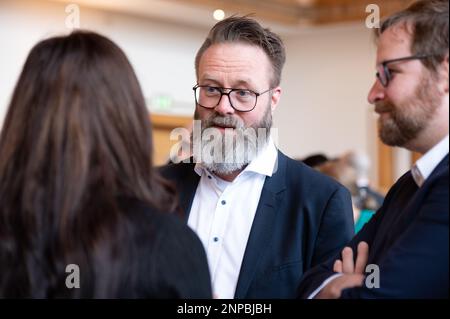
408	240
302	219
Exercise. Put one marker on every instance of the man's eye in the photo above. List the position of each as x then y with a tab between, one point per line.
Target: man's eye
243	93
392	71
212	90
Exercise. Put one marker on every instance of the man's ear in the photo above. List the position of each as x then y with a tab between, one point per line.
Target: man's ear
275	99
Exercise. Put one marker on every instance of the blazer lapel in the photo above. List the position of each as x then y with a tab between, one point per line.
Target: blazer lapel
400	217
442	166
262	227
423	190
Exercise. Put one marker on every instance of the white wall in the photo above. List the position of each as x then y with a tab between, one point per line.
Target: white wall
324	108
162	53
326	77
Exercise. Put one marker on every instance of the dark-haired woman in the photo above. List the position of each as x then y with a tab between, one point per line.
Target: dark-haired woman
77	186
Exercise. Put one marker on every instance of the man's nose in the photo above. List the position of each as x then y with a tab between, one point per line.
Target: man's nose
224	106
376	93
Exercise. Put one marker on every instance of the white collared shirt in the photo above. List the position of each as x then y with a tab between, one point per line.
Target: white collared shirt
425	165
222	215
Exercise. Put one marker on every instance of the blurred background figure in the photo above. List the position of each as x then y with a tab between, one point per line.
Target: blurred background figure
77	186
351	170
368	198
315	160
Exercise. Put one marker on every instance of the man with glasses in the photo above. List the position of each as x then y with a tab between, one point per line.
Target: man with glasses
406	243
264	219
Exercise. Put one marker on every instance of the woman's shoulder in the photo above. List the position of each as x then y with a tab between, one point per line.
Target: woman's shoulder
144	214
169	252
147	220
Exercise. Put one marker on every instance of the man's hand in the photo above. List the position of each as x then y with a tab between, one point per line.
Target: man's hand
347	266
352	273
334	289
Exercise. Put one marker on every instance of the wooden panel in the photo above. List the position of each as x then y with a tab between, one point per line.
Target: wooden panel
162	127
385	167
386	172
282	13
415	156
170	121
333	11
295	12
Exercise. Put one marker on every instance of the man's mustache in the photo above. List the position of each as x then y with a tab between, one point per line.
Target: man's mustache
383	107
223	121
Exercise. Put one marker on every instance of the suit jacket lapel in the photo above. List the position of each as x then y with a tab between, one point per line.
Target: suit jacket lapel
394	216
418	197
421	191
401	216
437	171
262	227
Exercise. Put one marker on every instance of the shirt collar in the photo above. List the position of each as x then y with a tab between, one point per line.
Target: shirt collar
429	161
264	163
198	168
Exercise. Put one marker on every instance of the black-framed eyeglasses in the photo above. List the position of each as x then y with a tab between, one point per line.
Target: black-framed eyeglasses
241	100
383	72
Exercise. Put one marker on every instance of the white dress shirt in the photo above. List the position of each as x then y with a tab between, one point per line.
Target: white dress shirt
222	214
421	170
425	165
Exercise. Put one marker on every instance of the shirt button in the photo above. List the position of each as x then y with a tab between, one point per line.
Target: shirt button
216	239
223	202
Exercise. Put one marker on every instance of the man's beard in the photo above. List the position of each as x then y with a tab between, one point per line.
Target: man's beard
409	118
236	150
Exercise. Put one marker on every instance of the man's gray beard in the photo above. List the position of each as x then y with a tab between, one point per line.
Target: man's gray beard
247	143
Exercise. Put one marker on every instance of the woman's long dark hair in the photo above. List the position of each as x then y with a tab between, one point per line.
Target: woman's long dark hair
76	137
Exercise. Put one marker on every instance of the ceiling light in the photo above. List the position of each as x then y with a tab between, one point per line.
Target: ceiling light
219	14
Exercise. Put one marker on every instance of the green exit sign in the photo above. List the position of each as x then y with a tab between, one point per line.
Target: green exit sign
162	102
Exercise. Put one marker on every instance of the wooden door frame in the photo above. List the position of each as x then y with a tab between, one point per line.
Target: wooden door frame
162	127
386	174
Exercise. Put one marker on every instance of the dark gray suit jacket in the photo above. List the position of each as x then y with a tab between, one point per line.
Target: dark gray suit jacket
408	240
303	218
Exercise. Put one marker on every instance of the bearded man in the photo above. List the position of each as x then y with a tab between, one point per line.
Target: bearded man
405	246
264	219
